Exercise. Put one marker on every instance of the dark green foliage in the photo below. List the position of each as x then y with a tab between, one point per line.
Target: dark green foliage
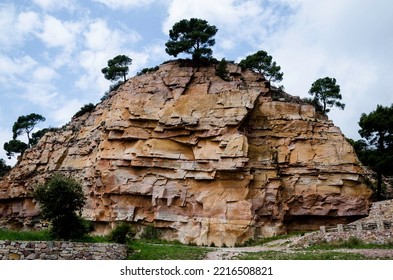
115	86
13	147
377	151
25	124
112	87
150	233
36	136
85	109
117	68
263	63
41	235
326	94
221	70
194	36
121	233
4	168
147	70
60	199
377	127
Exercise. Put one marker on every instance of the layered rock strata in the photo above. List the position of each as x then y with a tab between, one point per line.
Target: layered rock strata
205	160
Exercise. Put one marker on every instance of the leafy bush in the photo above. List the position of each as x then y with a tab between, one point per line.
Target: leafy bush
147	70
85	109
121	233
221	70
4	168
150	233
59	199
112	87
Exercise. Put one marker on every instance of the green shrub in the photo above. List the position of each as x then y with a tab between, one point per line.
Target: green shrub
147	70
60	199
4	168
150	233
221	70
121	233
112	87
85	109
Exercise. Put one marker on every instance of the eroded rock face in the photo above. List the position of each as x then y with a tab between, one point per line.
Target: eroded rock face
205	160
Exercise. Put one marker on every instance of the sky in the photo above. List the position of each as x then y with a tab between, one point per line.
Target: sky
52	51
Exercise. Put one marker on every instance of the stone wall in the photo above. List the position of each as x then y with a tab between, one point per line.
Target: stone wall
367	236
60	250
375	228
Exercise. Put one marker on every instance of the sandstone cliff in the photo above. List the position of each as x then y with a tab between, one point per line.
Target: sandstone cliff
205	160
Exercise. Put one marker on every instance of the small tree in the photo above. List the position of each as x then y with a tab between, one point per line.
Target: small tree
122	233
326	94
194	36
377	152
13	147
61	201
263	63
25	124
222	71
4	168
117	68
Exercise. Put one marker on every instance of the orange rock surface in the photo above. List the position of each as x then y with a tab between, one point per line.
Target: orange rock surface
206	161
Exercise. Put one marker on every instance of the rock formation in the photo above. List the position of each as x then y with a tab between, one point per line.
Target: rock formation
206	161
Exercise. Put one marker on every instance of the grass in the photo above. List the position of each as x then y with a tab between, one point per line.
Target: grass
44	235
153	250
351	243
309	255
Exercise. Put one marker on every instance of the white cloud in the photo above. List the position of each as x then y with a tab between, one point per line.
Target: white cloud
15	27
27	22
100	37
12	67
44	74
53	5
57	33
43	95
63	112
122	4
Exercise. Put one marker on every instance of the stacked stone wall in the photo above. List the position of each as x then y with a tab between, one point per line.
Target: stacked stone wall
58	250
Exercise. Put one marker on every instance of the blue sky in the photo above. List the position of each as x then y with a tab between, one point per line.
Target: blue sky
52	51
